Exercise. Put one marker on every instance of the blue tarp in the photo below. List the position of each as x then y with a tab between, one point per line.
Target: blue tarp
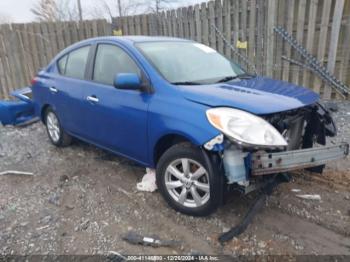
15	112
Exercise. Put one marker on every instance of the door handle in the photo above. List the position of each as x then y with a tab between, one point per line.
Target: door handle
53	89
93	99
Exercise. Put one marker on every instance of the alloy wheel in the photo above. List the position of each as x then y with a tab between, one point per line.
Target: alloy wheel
187	182
53	126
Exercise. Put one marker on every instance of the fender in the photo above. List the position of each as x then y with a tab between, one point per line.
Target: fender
189	121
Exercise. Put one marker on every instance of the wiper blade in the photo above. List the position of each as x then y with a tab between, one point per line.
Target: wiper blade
227	78
186	83
230	78
246	76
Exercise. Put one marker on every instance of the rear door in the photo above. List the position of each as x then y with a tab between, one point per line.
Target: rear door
116	119
67	88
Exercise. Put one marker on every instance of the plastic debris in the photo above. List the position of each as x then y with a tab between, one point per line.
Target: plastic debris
310	197
136	239
13	172
296	190
113	254
148	182
254	208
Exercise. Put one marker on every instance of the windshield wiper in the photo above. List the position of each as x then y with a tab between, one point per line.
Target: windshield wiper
241	76
186	83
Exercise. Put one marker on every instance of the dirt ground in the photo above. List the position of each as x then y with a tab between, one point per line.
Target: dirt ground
82	200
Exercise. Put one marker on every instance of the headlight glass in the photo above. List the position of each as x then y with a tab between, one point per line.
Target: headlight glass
244	127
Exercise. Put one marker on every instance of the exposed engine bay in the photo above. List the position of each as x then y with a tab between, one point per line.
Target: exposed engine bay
305	126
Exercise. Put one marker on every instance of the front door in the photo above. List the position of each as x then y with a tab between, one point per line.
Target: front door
113	118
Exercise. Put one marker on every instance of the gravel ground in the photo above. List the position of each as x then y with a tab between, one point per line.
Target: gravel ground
81	200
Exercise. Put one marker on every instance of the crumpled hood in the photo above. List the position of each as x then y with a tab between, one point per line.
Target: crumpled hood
258	95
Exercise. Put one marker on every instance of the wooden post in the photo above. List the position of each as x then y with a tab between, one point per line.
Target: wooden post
287	48
205	25
227	27
332	54
321	49
344	71
300	34
271	21
252	31
310	37
218	14
279	41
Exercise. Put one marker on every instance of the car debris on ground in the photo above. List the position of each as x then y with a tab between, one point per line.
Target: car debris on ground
13	172
148	182
310	197
116	256
254	209
20	111
153	241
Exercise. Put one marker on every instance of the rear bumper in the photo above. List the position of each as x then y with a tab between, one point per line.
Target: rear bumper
18	111
263	163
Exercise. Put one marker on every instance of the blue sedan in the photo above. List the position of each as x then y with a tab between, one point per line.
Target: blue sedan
180	107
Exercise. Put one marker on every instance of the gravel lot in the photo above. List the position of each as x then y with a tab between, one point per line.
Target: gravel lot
81	200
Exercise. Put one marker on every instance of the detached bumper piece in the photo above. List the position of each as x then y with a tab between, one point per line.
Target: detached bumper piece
263	163
17	112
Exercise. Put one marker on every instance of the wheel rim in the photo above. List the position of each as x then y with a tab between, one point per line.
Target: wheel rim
187	182
53	126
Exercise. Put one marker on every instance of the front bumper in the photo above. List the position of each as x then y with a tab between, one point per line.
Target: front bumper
263	163
18	111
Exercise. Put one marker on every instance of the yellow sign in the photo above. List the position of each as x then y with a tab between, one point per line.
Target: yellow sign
242	45
117	32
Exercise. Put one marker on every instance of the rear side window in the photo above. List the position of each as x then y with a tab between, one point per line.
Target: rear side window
110	61
75	63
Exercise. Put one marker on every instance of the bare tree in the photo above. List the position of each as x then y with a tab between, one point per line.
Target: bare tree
45	10
157	6
57	10
69	10
116	8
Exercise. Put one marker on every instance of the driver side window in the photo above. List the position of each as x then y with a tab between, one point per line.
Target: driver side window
111	60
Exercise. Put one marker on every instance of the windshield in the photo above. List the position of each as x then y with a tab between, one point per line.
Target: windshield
189	62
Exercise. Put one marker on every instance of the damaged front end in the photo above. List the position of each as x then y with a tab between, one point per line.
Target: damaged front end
305	131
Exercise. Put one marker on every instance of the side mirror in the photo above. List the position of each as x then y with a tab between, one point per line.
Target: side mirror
127	81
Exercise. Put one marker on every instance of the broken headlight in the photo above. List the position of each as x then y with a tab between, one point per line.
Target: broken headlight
245	128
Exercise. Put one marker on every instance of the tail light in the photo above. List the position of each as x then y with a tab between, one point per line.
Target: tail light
33	81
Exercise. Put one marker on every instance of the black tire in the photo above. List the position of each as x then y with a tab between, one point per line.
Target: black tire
63	139
188	151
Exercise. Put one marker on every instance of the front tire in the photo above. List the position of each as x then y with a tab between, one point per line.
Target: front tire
56	133
188	181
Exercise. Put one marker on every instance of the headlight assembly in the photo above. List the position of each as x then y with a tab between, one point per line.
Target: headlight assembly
245	128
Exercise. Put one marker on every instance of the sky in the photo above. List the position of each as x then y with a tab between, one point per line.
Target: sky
18	11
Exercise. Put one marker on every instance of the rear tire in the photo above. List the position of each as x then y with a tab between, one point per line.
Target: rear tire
188	180
56	133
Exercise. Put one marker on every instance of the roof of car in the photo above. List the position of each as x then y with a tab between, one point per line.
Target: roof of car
136	38
128	40
142	38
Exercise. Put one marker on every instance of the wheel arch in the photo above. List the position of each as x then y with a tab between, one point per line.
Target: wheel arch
168	140
42	112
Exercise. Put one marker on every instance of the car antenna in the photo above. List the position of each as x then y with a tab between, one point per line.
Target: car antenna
234	50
